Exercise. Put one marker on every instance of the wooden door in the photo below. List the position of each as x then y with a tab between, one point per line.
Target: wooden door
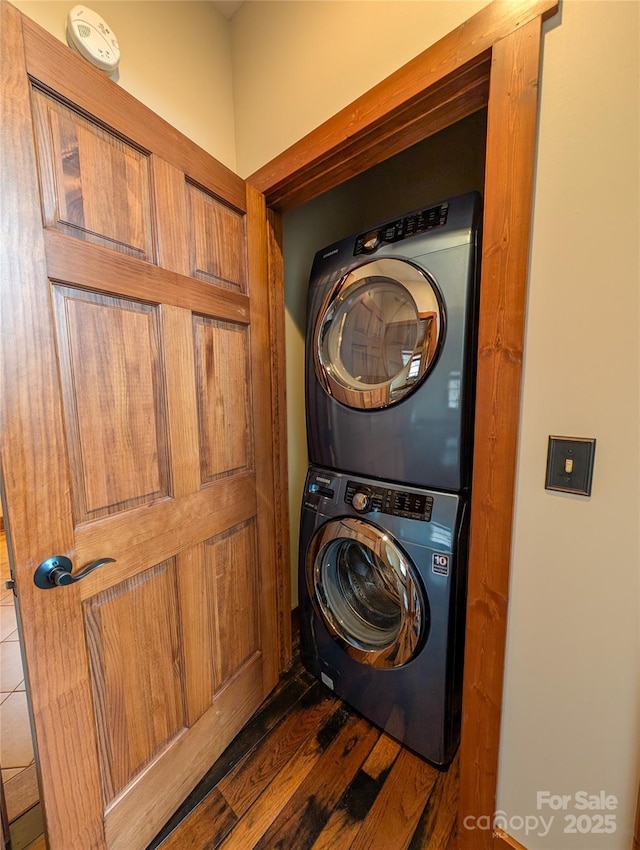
136	405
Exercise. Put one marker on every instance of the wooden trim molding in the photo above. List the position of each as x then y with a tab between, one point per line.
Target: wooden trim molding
279	416
462	92
440	86
491	60
504	841
511	135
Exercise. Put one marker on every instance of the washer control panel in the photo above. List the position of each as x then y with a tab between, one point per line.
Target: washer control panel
402	228
365	498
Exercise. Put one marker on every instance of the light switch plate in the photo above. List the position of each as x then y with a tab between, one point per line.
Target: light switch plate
570	464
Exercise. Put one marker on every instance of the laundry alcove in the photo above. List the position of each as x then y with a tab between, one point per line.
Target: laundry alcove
492	61
441	166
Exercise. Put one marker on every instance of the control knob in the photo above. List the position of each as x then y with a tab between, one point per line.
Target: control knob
361	501
371	241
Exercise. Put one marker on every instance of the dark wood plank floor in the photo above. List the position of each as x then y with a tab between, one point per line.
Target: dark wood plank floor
309	772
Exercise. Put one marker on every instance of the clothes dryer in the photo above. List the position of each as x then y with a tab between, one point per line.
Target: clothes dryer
390	348
382	589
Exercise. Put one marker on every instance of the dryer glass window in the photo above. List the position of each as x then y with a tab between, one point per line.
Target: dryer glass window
379	334
367	593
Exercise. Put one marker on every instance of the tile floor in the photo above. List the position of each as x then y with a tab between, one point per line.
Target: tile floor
16	747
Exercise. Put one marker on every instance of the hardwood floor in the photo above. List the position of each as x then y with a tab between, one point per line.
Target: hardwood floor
309	772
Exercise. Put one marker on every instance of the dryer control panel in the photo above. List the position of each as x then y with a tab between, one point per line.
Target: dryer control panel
402	228
365	498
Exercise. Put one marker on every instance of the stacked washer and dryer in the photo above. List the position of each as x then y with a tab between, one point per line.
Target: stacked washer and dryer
390	366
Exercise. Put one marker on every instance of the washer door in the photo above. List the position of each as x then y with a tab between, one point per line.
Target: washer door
367	591
378	334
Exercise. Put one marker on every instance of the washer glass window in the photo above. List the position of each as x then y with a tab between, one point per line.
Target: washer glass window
378	334
366	590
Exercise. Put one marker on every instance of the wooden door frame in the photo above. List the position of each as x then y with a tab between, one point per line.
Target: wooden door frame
491	60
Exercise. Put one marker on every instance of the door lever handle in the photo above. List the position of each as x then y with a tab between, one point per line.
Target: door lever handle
56	571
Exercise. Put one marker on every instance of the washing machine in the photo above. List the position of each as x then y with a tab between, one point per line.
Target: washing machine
390	348
382	593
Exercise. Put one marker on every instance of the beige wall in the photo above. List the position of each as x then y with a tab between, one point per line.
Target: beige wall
295	63
571	699
176	59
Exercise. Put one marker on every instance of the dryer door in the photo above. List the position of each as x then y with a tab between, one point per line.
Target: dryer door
367	591
378	334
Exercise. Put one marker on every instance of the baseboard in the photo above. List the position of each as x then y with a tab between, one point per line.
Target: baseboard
503	841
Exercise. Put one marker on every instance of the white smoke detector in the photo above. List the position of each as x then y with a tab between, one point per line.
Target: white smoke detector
92	38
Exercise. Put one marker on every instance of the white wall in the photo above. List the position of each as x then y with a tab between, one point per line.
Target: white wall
176	59
571	698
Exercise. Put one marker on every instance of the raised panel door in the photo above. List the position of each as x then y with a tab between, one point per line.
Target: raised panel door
82	164
134	354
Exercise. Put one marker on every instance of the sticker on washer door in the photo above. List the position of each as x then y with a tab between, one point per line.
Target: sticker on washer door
440	564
